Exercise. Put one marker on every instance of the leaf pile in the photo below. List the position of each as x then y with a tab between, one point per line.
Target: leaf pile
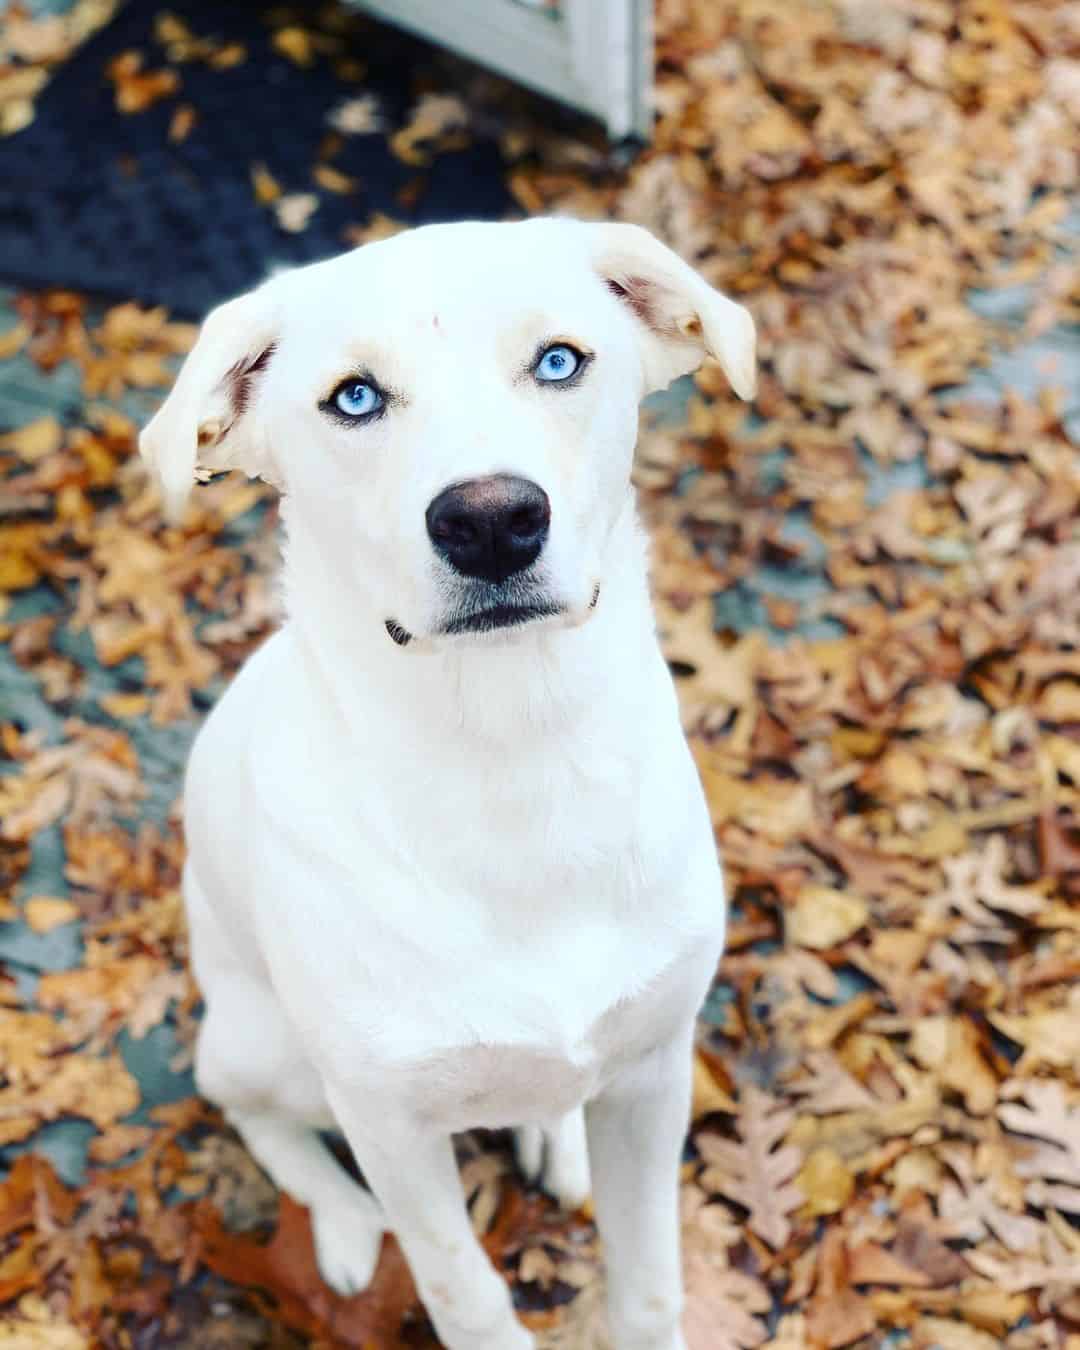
886	1146
31	48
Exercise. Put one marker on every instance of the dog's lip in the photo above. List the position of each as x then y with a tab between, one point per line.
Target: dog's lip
493	618
400	635
501	616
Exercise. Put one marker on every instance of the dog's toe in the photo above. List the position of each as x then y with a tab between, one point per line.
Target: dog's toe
566	1165
556	1159
348	1239
567	1181
529	1151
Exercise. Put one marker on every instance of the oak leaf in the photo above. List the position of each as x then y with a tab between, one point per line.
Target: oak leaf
1050	1116
837	1315
286	1270
757	1171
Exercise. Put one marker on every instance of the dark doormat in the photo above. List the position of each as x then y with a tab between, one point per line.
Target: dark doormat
105	202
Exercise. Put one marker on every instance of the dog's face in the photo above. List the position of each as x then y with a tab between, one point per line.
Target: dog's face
452	410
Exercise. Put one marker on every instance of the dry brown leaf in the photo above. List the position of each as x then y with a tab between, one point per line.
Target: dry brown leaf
756	1171
708	1093
826	1181
822	917
951	1047
837	1315
286	1269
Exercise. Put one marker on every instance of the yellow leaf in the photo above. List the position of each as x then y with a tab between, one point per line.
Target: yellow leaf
708	1094
267	188
823	916
946	1334
17	572
15	114
295	43
1064	755
12	340
19	1334
182	122
46	912
333	179
903	772
944	838
950	1047
1059	702
123	706
35	440
826	1181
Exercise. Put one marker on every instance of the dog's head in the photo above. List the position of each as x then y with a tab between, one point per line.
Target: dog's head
453	411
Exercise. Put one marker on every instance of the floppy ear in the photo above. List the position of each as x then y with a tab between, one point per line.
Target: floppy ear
682	318
206	419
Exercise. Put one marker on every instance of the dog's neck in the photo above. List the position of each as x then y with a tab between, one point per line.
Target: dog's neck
538	684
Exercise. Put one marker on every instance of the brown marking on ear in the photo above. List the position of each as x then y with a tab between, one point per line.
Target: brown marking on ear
211	432
237	383
683	317
643	298
240	377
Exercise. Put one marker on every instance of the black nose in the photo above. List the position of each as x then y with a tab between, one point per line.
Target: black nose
490	527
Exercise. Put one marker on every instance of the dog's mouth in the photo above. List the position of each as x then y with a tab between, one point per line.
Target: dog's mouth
500	616
490	619
400	635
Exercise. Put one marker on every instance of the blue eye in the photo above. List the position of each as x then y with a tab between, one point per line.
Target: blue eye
558	363
356	398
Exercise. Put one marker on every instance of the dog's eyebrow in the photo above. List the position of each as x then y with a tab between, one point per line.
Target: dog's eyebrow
359	355
364	361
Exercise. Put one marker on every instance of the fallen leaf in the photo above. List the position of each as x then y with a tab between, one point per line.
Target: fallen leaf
823	917
285	1268
755	1171
826	1182
45	912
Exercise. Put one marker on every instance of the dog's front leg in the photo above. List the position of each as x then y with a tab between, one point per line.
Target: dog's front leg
415	1178
636	1130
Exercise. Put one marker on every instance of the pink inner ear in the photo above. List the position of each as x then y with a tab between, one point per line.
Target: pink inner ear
239	379
236	384
645	298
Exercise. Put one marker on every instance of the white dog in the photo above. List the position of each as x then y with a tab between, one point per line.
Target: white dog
449	862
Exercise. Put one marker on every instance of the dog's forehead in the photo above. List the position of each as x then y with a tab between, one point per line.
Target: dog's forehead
444	276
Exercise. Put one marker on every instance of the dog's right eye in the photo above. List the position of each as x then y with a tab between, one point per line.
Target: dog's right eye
356	400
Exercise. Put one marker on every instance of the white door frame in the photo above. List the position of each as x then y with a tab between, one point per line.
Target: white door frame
595	55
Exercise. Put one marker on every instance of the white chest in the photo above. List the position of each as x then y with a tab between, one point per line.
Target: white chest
489	929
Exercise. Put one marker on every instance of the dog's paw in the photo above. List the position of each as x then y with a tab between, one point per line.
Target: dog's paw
529	1152
556	1159
566	1174
348	1238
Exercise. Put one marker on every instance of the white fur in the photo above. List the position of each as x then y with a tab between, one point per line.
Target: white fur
470	881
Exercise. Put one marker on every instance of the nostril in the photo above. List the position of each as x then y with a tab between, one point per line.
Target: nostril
454	529
526	522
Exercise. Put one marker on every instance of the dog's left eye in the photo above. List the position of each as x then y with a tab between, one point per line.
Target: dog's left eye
557	363
356	399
